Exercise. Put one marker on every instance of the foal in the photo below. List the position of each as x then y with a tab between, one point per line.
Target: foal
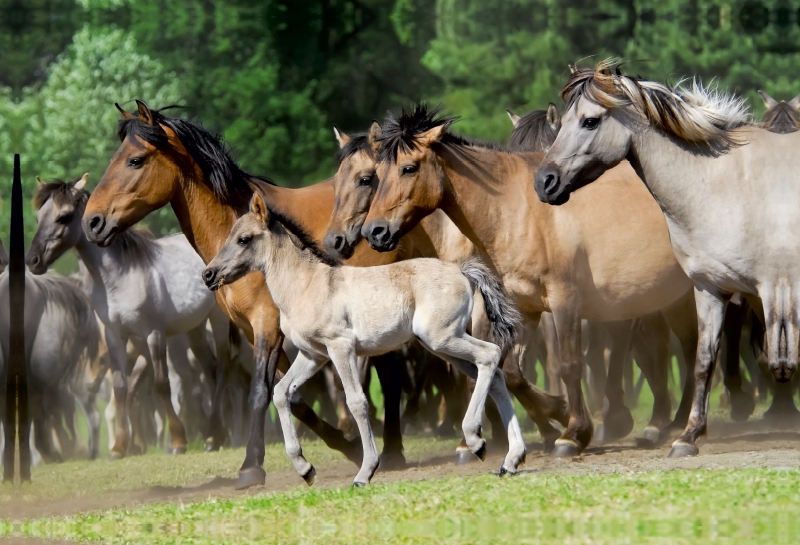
340	313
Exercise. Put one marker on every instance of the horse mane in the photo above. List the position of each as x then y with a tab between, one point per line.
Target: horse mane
781	119
134	244
698	115
400	133
61	291
358	143
532	133
229	183
301	238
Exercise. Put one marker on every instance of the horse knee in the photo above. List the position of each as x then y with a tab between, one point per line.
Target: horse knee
280	397
358	404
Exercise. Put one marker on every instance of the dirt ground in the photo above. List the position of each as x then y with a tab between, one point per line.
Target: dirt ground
729	445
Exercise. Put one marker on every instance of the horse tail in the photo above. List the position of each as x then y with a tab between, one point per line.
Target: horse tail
503	316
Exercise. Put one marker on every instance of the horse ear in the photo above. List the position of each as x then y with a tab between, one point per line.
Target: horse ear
769	102
258	208
572	68
123	113
341	137
513	117
41	183
145	115
374	137
80	184
553	117
434	134
795	102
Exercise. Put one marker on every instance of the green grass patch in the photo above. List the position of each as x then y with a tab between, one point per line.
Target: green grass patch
730	506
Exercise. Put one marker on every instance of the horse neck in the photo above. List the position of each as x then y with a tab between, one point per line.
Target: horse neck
203	218
101	263
487	192
288	273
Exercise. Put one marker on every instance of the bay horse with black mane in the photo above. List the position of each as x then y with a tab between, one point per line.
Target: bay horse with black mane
164	160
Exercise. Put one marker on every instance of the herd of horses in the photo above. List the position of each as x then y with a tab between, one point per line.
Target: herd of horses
646	213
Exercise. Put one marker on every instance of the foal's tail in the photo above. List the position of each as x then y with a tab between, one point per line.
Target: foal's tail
503	315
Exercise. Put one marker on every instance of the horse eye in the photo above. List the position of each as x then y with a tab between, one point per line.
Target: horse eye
409	169
244	241
135	162
365	180
591	123
66	219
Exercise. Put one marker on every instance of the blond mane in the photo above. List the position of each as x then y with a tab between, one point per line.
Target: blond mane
694	113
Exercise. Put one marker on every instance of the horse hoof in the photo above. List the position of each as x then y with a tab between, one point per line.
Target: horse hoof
310	476
682	450
252	476
176	450
742	407
565	449
211	446
649	438
357	484
481	452
391	461
615	426
113	456
464	457
600	434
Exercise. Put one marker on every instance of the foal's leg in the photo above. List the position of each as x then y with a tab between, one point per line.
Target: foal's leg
301	370
344	359
157	348
710	318
389	372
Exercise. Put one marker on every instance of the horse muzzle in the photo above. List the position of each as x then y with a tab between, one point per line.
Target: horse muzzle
381	236
212	279
100	230
338	246
36	263
549	187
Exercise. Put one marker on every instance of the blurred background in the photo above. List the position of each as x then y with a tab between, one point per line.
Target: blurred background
274	76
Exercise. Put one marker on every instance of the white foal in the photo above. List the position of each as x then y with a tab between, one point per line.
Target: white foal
339	313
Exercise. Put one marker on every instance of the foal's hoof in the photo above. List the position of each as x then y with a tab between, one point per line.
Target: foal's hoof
113	456
465	456
252	476
176	450
211	445
310	476
565	448
682	450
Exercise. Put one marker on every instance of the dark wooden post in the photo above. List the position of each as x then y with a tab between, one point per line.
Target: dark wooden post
17	418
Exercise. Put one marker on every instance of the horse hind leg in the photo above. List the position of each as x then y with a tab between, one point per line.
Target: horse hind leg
157	348
742	403
617	421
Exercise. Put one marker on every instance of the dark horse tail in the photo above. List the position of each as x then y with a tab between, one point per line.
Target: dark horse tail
503	315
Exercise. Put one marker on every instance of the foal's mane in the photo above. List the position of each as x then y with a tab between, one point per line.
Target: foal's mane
532	133
698	115
229	183
400	133
301	238
781	119
135	244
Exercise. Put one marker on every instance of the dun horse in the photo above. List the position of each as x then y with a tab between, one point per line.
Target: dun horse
339	313
601	263
728	191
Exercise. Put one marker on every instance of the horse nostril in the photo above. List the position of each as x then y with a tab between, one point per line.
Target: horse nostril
35	260
550	183
338	242
378	231
208	276
96	223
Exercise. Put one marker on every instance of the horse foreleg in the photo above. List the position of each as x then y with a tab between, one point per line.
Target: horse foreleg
390	377
710	319
157	348
117	350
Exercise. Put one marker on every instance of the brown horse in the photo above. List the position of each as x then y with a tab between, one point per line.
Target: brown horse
166	160
607	264
354	185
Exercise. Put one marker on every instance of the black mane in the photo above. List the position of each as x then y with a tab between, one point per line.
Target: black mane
358	142
532	133
306	241
229	183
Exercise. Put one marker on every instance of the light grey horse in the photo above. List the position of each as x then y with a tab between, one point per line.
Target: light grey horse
60	330
143	290
729	191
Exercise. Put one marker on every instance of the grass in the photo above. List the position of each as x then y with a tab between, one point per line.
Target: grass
717	506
